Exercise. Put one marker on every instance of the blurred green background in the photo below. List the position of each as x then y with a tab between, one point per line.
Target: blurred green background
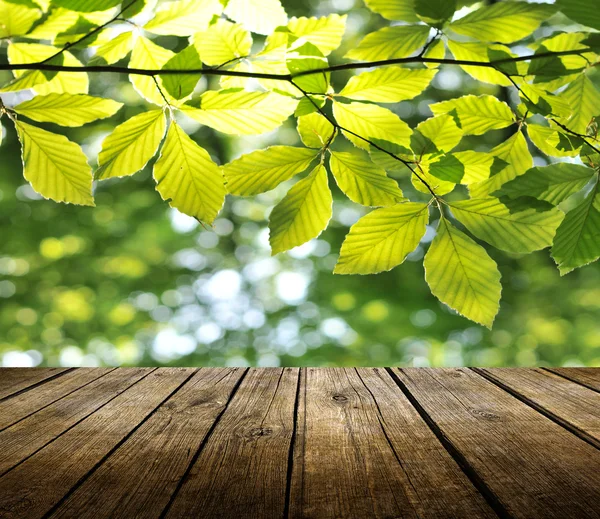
133	282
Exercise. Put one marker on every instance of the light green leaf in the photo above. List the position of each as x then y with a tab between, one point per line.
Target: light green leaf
362	181
67	109
463	167
183	18
513	226
131	145
513	151
477	114
222	42
187	177
577	241
180	86
56	167
582	11
303	214
315	131
59	20
461	274
308	58
539	101
584	99
398	41
113	50
16	20
371	122
504	22
260	16
553	142
388	84
86	6
308	105
325	32
403	10
554	183
436	134
421	175
263	170
241	112
437	50
477	51
382	239
148	55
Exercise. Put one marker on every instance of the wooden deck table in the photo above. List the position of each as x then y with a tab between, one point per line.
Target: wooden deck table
300	443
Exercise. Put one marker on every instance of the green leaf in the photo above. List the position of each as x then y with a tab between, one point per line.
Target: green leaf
67	109
504	22
186	175
86	6
113	50
554	183
584	100
315	131
437	50
477	114
259	16
147	55
582	11
131	145
388	84
480	52
263	170
463	167
422	176
16	20
241	112
435	12
362	181
371	122
542	102
308	105
180	86
436	134
58	20
577	241
303	214
56	167
461	274
382	239
305	58
325	32
398	41
403	10
222	42
513	151
183	18
553	142
513	226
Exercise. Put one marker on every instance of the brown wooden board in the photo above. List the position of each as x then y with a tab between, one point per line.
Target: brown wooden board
13	380
34	487
140	477
568	403
28	402
589	377
532	466
241	471
25	437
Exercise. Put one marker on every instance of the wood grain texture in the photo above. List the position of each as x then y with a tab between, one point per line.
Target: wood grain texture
38	484
589	377
14	380
28	402
533	466
246	455
570	404
140	477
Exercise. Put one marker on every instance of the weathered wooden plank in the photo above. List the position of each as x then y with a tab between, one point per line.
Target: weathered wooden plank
25	437
140	477
531	465
568	403
24	404
38	484
363	451
589	377
241	472
14	380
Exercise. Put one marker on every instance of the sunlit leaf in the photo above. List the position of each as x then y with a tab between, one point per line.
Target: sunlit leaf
223	42
114	50
260	16
463	167
398	41
436	134
403	10
183	18
16	20
325	32
584	100
553	142
180	86
148	55
86	6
